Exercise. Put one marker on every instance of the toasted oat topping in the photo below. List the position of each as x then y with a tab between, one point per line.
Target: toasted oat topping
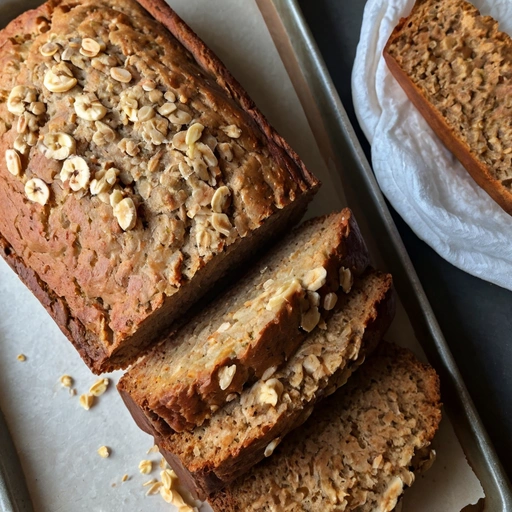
121	75
226	375
346	279
13	161
37	191
189	170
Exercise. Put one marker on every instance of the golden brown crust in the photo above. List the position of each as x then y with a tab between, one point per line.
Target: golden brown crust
269	189
207	59
478	170
56	306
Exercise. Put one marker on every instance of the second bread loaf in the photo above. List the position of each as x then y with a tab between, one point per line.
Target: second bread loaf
455	66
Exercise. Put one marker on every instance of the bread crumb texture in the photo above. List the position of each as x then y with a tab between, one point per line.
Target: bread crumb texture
358	450
256	325
251	426
123	161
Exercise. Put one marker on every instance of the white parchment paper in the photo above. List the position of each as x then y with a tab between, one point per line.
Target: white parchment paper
423	181
57	439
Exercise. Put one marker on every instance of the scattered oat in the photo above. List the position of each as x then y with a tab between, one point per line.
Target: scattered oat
21	357
104	451
99	387
90	47
153	449
166	494
346	279
86	401
167	479
163	463
66	381
149	482
72	392
124	478
145	467
49	49
155	487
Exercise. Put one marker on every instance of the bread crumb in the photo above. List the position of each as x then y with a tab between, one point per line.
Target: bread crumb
104	451
21	357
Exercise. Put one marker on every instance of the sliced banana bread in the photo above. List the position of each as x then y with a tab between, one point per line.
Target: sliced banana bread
359	450
134	171
456	67
256	325
251	425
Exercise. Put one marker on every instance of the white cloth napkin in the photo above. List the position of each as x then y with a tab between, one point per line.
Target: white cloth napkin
423	181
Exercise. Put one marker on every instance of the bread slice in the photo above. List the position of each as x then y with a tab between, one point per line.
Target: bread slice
131	186
256	325
245	430
357	452
455	66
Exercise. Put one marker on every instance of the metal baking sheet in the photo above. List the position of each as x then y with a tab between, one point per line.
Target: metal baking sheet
322	97
338	141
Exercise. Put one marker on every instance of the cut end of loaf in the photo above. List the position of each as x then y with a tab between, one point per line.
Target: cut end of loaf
357	452
454	65
255	326
252	424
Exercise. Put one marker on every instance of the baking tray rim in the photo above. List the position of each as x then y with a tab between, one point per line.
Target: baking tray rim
468	425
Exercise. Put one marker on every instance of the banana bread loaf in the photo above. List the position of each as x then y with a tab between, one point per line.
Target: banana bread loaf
456	67
259	323
134	170
254	421
359	450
